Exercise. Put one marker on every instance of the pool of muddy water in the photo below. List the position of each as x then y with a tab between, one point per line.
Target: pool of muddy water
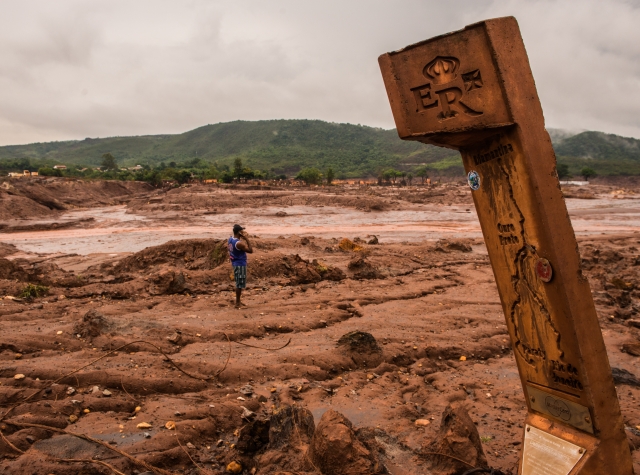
116	231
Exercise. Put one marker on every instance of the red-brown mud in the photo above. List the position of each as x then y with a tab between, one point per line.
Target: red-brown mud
372	380
24	198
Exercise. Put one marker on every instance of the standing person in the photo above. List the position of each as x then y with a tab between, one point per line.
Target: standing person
238	246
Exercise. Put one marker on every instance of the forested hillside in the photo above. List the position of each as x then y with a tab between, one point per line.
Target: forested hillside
605	153
286	146
281	146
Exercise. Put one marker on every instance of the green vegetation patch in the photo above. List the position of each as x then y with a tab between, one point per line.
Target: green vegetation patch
32	291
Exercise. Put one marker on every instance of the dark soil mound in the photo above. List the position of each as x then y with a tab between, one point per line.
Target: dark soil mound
188	254
253	436
301	271
360	342
168	281
7	249
290	429
45	273
296	269
362	269
93	324
445	245
328	272
9	270
290	424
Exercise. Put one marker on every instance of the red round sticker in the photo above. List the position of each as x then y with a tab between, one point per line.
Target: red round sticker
544	270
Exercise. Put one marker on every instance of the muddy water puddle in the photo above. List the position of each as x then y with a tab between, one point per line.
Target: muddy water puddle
114	230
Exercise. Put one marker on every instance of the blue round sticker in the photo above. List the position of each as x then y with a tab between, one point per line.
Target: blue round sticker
473	178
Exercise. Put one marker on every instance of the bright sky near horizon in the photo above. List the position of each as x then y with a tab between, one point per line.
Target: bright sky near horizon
72	69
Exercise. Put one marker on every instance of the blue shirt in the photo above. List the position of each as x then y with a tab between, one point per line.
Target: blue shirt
238	257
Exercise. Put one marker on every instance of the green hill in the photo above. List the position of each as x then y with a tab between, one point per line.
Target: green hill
282	146
607	154
286	146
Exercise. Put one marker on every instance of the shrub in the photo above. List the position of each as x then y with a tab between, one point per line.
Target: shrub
311	176
32	291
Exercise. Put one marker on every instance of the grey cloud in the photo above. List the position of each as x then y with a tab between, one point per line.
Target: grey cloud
73	69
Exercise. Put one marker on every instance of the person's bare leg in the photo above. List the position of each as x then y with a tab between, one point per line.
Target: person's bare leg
238	295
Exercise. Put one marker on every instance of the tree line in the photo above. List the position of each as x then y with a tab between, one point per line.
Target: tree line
199	169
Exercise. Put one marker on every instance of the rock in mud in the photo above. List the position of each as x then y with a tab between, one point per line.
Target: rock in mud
457	437
253	436
247	414
168	282
347	245
93	324
178	284
234	467
246	390
624	313
621	284
632	348
360	342
290	425
445	245
328	272
303	272
622	376
336	450
361	348
175	338
363	269
290	432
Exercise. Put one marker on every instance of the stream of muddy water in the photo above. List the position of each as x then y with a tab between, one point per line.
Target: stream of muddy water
113	230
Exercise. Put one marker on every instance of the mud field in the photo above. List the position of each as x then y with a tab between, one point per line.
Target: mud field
372	340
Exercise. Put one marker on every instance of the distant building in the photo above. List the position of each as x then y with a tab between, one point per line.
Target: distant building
34	173
59	167
15	175
574	182
136	168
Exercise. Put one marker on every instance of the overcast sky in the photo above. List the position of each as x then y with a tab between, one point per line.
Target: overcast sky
93	68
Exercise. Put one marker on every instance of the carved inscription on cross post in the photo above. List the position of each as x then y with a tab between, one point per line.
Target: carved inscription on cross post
446	88
472	90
